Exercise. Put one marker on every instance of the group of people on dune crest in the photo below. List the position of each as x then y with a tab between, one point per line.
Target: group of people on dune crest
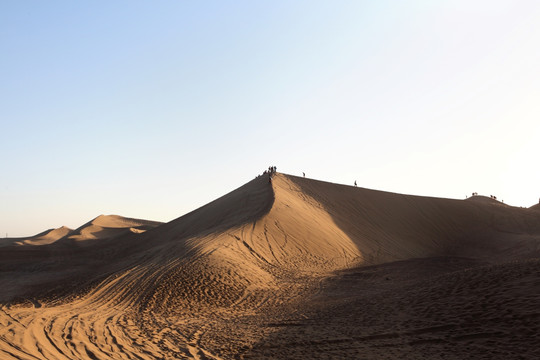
270	172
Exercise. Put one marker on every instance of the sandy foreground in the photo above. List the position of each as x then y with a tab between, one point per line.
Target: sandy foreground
288	268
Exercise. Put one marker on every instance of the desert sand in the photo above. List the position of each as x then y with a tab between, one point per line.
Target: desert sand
288	268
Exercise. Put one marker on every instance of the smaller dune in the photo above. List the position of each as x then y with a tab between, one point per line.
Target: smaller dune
49	236
109	226
44	238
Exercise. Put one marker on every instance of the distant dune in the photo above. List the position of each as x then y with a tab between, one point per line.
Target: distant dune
285	267
102	227
109	226
44	238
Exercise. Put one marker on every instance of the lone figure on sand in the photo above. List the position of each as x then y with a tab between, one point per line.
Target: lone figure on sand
303	173
355	183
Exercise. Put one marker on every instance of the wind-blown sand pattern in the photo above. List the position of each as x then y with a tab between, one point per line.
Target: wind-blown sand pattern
292	268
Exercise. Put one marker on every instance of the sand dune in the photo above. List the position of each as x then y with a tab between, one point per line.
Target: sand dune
288	268
102	227
44	238
109	226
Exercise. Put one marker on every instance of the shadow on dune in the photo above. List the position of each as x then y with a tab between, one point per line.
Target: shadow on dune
447	308
387	226
242	206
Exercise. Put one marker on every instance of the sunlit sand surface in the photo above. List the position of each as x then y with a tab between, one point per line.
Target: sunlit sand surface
288	268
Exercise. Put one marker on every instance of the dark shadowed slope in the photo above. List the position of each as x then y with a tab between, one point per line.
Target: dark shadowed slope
388	226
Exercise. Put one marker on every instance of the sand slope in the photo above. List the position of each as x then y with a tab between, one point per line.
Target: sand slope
387	226
223	280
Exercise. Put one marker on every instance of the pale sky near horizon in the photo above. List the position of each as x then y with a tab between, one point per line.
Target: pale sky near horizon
152	109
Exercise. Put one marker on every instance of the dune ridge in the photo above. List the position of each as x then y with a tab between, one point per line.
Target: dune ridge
217	282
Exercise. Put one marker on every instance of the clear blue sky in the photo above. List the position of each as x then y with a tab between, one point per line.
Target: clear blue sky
152	109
